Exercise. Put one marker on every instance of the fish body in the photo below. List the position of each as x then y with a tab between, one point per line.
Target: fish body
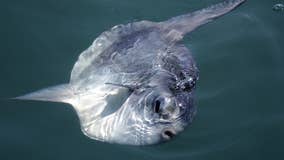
135	84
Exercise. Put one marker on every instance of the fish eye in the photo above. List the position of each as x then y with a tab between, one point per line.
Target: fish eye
163	107
157	106
160	109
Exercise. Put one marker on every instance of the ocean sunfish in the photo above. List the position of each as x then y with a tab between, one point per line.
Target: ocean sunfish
135	84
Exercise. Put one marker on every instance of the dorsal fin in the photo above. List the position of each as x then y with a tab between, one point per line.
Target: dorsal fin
175	28
59	93
189	22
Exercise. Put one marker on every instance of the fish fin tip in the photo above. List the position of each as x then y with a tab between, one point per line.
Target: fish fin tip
59	93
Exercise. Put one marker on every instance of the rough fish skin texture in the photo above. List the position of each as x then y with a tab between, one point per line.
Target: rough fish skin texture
135	84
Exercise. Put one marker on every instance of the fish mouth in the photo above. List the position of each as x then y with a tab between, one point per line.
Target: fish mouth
168	134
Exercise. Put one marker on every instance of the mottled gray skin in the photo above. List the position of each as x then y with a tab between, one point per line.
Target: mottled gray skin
135	84
156	70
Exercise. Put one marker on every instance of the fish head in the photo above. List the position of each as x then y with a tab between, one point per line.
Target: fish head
158	111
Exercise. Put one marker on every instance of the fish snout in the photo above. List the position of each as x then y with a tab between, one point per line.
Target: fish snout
168	133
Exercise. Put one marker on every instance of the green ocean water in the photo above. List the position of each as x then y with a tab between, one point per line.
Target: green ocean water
239	94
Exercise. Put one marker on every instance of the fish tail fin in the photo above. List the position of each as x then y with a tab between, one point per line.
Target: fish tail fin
188	22
59	93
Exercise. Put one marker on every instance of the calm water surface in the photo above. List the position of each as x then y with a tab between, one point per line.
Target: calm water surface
239	95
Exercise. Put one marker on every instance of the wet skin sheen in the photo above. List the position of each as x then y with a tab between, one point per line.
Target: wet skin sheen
135	84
